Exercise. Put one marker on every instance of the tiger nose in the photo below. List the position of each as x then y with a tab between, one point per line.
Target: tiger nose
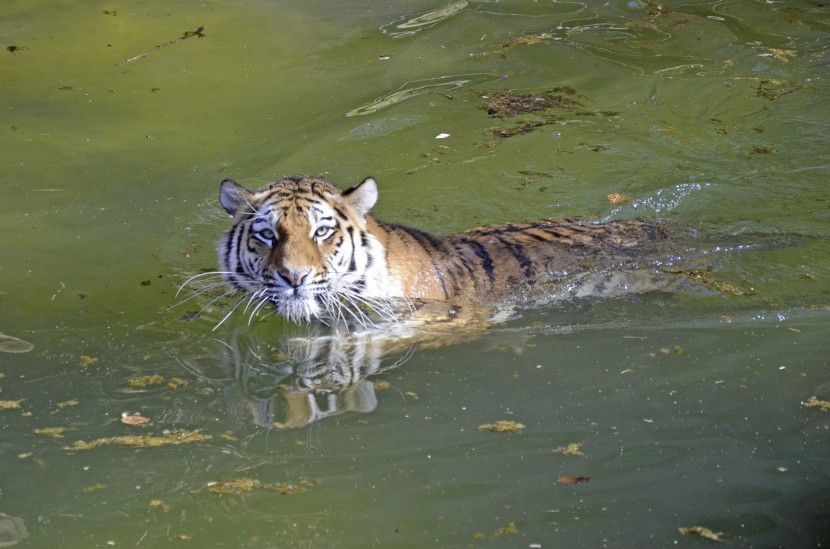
294	278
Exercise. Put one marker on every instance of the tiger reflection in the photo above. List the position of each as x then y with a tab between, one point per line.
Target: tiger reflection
316	375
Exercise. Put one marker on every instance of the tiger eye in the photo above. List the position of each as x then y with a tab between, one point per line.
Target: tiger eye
323	232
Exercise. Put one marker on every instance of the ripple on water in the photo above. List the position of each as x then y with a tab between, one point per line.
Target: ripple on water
381	126
11	344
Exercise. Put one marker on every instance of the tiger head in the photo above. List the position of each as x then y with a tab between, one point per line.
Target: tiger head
302	245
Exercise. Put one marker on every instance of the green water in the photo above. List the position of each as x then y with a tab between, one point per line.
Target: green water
689	409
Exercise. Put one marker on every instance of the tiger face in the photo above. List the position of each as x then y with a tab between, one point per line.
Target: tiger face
301	245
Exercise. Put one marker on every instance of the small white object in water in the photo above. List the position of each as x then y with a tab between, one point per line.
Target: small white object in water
442	136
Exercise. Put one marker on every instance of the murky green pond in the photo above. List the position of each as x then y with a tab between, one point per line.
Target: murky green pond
642	416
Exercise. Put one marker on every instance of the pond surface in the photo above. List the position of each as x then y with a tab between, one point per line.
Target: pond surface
642	416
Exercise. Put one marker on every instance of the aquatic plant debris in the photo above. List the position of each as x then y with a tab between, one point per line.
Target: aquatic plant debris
86	360
159	505
506	104
779	54
188	34
702	532
52	432
503	426
168	438
242	485
572	449
10	404
707	280
814	402
618	198
142	382
773	89
509	528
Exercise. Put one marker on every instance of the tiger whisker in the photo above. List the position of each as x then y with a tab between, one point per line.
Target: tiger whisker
224	318
199	292
254	296
330	309
200	275
381	307
354	309
204	307
256	309
335	308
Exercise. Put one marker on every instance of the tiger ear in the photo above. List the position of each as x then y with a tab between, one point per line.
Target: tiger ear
233	196
363	196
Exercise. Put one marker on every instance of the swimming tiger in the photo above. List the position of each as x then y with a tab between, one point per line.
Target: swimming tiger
313	251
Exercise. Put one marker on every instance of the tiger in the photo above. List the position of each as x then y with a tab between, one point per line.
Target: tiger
313	252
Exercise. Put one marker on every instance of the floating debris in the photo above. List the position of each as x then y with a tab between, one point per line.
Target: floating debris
506	104
814	402
242	485
11	344
175	383
774	88
665	351
169	438
702	532
759	149
572	449
52	432
134	419
780	54
706	279
159	505
10	404
503	426
520	128
572	480
189	34
86	360
144	381
510	528
618	198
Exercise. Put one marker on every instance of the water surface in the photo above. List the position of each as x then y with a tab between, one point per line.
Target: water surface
691	410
